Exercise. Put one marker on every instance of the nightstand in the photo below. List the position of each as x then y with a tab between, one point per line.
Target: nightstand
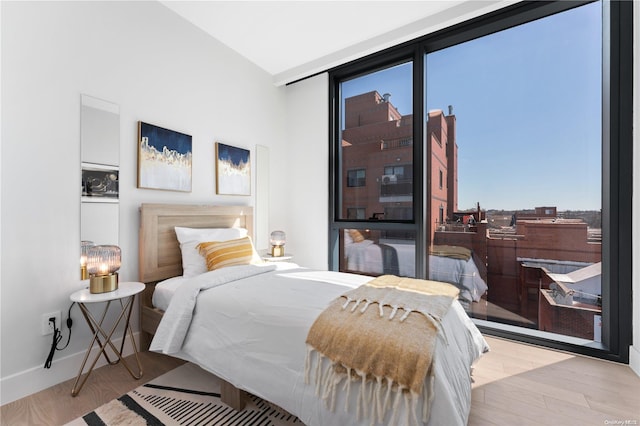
268	258
124	296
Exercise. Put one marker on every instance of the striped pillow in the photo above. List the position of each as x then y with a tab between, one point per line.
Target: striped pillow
219	254
356	235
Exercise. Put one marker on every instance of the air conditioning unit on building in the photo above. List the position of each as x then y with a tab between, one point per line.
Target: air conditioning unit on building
389	179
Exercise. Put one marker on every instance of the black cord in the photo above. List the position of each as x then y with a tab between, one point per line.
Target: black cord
69	324
57	337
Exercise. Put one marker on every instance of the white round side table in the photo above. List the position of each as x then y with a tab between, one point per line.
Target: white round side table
125	294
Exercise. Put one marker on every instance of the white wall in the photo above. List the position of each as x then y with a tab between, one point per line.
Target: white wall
158	69
634	353
307	172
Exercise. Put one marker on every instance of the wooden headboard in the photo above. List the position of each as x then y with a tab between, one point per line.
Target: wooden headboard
159	251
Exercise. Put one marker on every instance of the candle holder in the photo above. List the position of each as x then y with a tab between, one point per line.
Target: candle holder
103	263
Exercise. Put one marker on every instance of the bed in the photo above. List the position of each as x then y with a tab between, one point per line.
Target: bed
250	329
446	264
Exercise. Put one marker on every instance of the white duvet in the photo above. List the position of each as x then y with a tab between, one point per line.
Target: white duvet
248	325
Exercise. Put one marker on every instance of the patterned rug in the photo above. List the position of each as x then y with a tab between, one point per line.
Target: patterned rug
186	395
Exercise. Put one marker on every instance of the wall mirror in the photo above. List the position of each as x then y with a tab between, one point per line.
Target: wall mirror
100	161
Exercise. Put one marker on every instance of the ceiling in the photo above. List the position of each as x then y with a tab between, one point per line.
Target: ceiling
294	39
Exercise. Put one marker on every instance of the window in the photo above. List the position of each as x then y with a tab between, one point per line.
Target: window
376	130
524	161
356	177
398	213
539	270
356	213
397	170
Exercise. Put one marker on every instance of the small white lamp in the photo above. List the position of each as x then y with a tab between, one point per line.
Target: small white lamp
103	263
278	238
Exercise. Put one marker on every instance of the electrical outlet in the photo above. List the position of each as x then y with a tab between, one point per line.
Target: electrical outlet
47	327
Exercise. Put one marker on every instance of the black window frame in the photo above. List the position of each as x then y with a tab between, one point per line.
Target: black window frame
617	167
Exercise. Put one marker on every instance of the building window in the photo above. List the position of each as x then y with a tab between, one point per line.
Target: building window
397	171
356	177
571	57
397	213
356	213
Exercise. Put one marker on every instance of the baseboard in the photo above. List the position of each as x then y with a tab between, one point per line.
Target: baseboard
39	378
634	359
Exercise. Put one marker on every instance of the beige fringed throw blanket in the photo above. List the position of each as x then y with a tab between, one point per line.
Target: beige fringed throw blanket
454	252
382	334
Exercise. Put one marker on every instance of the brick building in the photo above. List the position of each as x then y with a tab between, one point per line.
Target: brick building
377	161
518	264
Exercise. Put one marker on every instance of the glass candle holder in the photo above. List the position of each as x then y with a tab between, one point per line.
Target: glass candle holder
103	263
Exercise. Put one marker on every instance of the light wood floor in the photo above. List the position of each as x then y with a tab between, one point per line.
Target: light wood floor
55	405
515	384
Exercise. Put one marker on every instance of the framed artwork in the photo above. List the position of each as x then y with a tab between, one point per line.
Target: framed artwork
100	183
233	169
164	158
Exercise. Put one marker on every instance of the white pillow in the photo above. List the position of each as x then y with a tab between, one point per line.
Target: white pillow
347	238
193	263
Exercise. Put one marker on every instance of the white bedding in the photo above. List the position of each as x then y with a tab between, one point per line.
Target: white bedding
366	256
164	292
252	331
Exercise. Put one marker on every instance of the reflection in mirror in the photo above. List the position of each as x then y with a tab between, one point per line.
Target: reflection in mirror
100	156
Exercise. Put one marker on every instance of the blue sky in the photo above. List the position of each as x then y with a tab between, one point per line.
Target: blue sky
528	106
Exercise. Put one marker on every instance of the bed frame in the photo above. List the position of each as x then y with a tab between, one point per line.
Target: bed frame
160	258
